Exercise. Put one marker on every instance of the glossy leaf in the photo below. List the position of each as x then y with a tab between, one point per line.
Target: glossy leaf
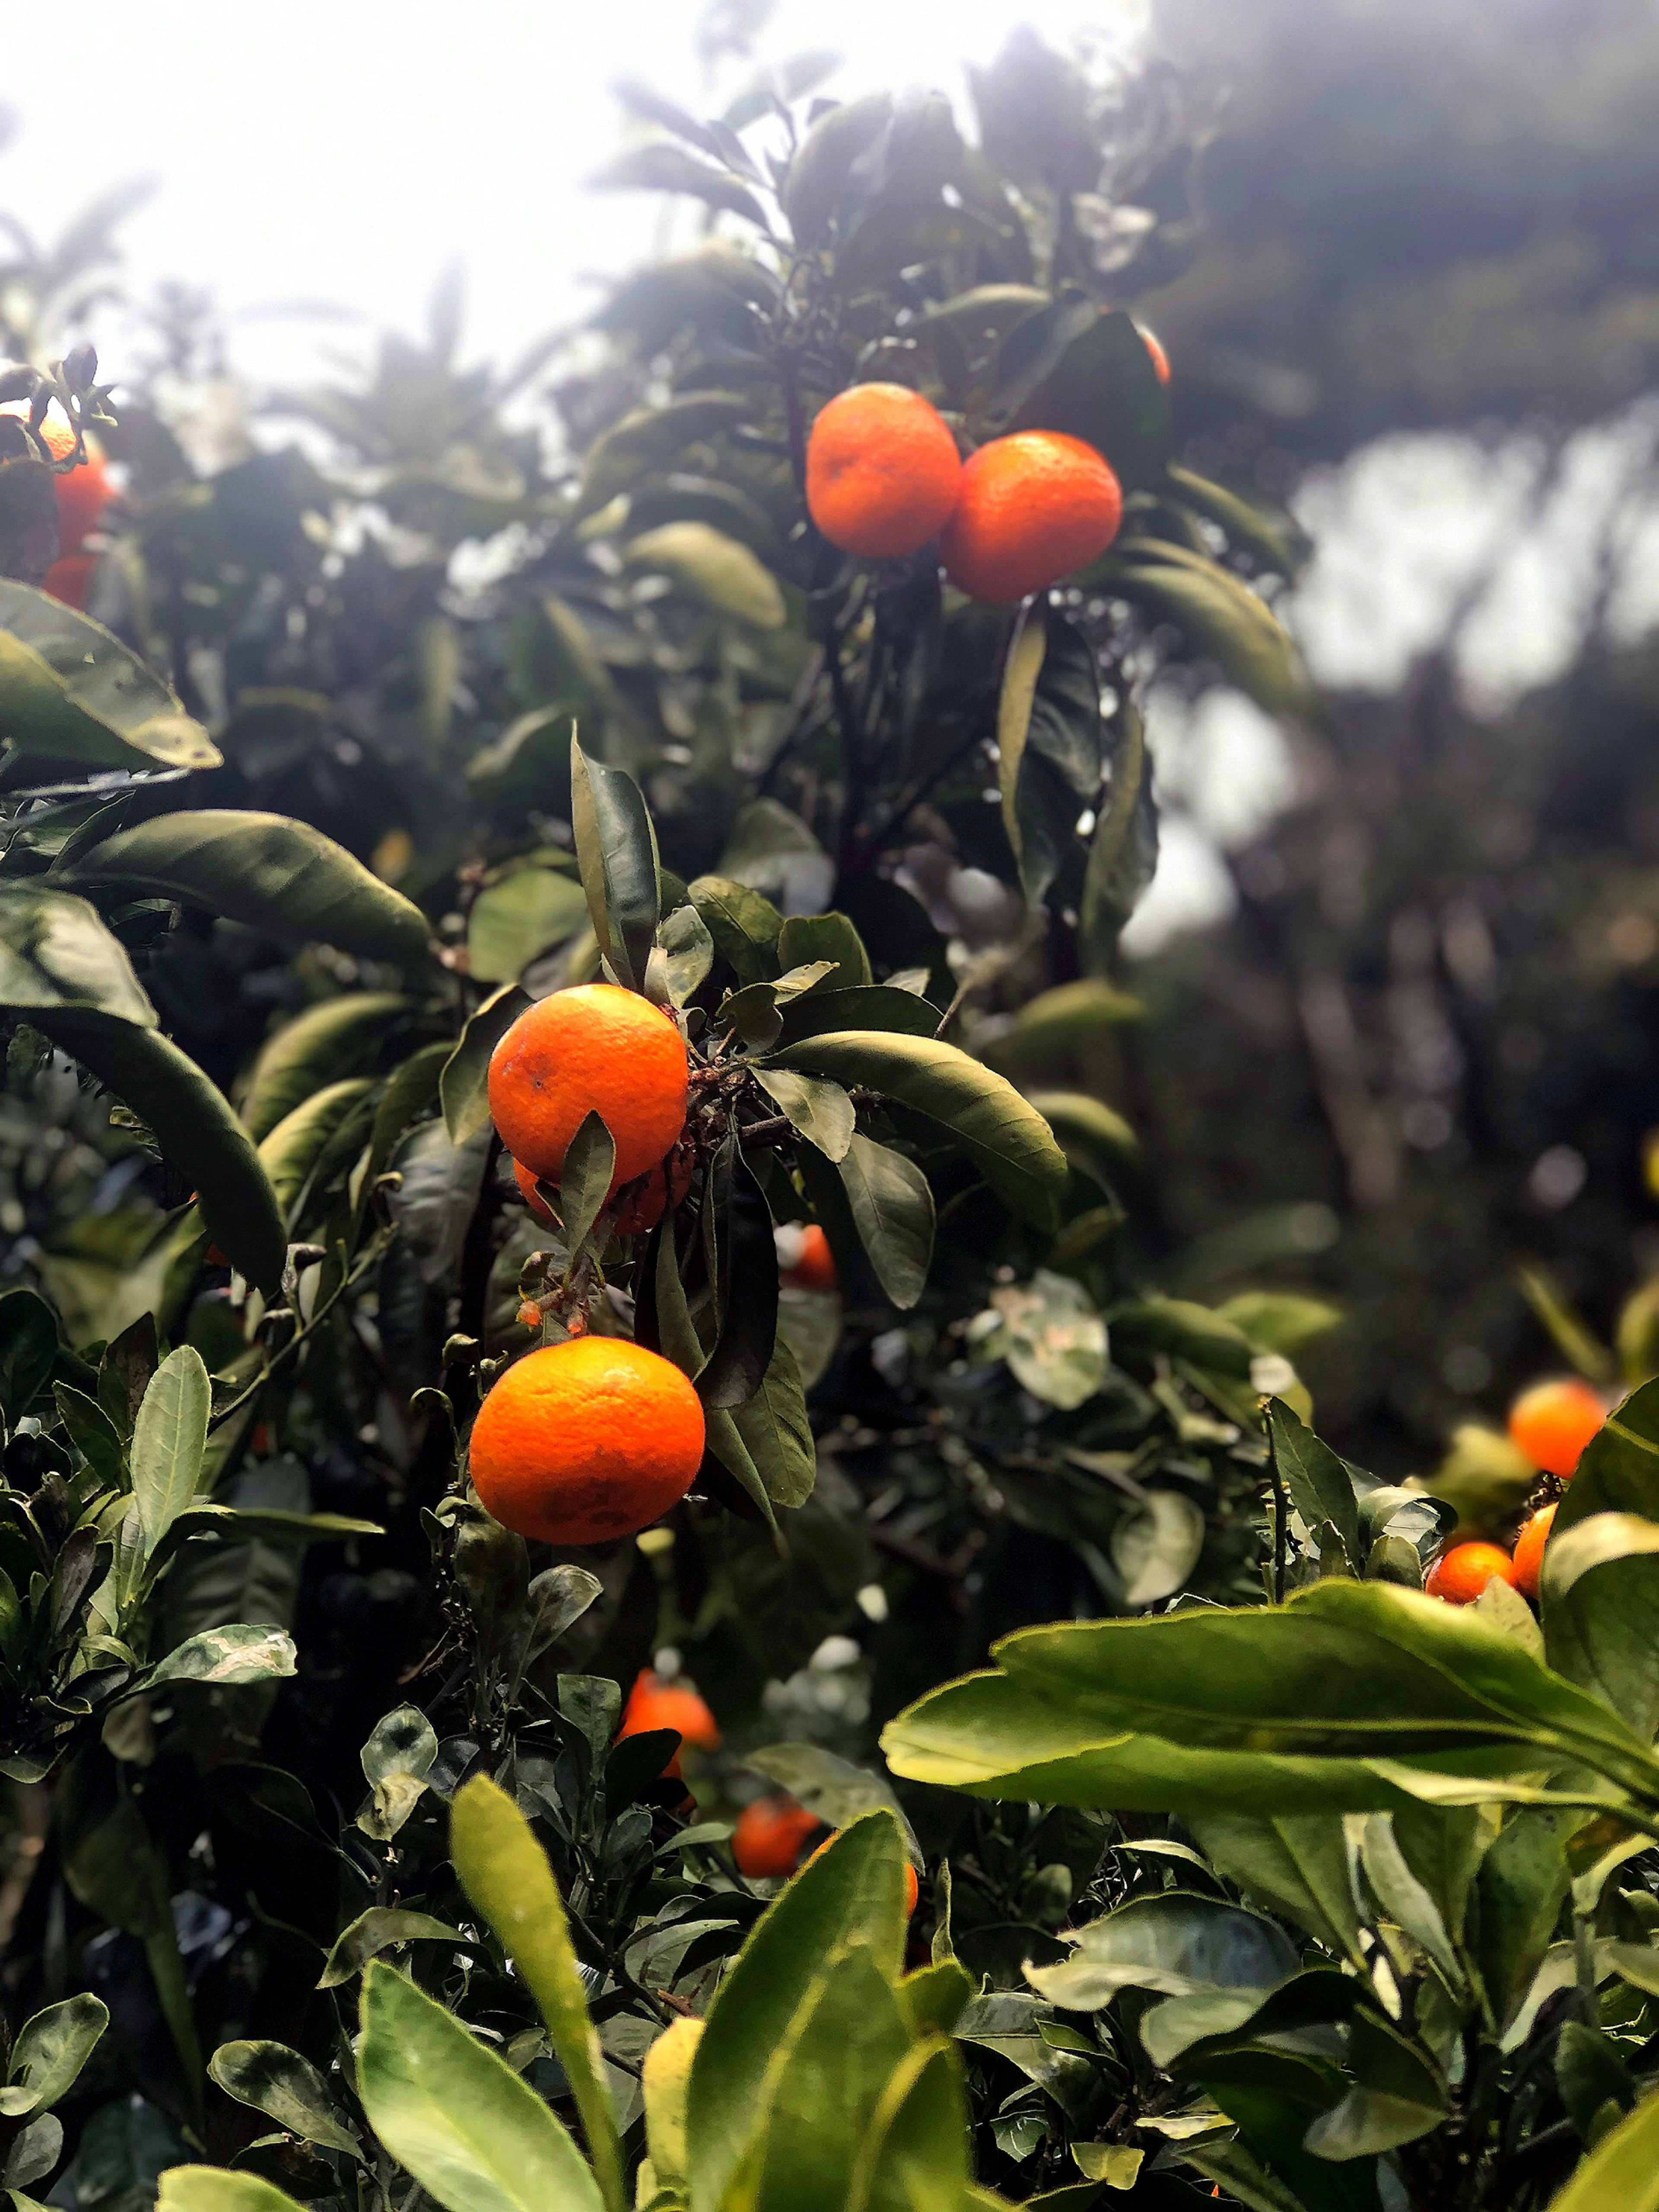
1600	1607
891	1205
1619	1471
617	848
1320	1485
584	1179
52	2045
504	1872
743	925
983	1114
1156	1546
195	1128
330	1040
819	168
28	1351
243	1652
1049	744
819	1109
688	951
773	1427
1104	389
806	938
749	1281
463	1086
287	2089
1123	850
55	952
382	1928
1220	617
475	2136
69	690
289	1152
1397	2097
168	1440
513	922
869	1007
822	2096
269	871
1175	1944
217	2189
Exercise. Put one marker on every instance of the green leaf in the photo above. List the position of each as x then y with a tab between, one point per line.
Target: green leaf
806	938
169	1439
819	1109
820	166
737	1207
869	1007
891	1204
1051	1336
504	1872
1218	616
1277	541
1619	1472
1397	2097
666	2081
327	1042
55	952
822	2096
1281	1321
290	1151
69	690
287	2089
854	1890
650	438
1522	1883
1102	389
395	1761
475	2136
1601	1609
1330	1702
774	1431
273	873
463	1086
28	1351
1094	1137
51	2047
1049	744
1623	2170
688	952
513	922
915	2155
1176	1944
833	1788
1123	851
1321	1485
382	1928
240	1653
215	2189
1156	1545
716	571
195	1128
617	848
590	1161
743	925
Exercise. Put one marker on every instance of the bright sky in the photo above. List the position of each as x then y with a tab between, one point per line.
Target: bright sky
349	152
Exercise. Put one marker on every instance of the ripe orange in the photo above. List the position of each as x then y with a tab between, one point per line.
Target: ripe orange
592	1050
584	1442
1154	346
1529	1551
1459	1576
813	1268
912	1886
1032	507
642	1213
771	1835
69	578
882	471
83	493
654	1704
1553	1422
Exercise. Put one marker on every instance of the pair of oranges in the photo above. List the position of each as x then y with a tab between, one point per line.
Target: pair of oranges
1551	1423
883	477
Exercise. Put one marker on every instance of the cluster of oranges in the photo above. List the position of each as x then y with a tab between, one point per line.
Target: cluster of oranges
1551	1423
584	1442
884	478
83	493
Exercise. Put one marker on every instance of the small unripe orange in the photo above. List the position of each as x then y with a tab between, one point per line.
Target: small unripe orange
1553	1422
1529	1551
1459	1576
771	1835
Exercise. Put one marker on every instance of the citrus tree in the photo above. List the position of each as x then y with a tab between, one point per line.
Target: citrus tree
682	1142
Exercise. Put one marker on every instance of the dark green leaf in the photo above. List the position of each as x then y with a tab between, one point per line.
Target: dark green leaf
873	1007
380	1929
1176	1944
55	952
52	2048
275	874
1397	2097
590	1161
892	1209
717	571
1321	1485
617	848
1049	744
28	1351
1218	616
328	1041
806	938
194	1128
1601	1608
287	2089
819	1109
748	1276
1103	388
984	1115
1123	851
743	925
1277	541
90	1428
1619	1472
71	691
463	1086
818	172
513	922
774	1430
651	437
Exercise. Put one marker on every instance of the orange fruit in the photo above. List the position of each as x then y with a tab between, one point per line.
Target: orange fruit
1529	1551
771	1835
1459	1576
83	493
642	1213
882	471
1033	507
1553	1422
653	1704
69	578
593	1049
1154	346
584	1442
912	1886
813	1268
